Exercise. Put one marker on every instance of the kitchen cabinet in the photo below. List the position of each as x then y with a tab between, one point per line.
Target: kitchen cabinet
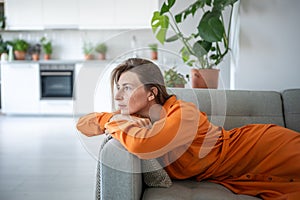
96	14
134	13
23	15
41	14
116	14
60	13
20	88
56	107
83	14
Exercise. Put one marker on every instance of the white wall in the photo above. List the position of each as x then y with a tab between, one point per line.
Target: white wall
269	45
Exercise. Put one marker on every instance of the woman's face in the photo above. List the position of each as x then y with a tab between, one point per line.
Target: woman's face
131	97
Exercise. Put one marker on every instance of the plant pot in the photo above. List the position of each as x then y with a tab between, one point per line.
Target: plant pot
205	78
102	56
47	57
88	57
179	85
35	56
154	55
20	55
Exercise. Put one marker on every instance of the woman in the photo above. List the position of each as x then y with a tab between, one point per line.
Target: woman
259	160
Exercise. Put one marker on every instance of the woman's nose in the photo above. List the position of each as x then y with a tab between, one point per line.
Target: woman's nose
118	95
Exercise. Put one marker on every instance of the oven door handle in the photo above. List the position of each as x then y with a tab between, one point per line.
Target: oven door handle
56	73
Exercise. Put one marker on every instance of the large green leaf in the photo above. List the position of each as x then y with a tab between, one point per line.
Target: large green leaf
167	6
208	2
211	27
189	10
185	54
160	25
201	48
221	4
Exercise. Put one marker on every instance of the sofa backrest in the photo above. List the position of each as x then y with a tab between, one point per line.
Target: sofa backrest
235	108
291	102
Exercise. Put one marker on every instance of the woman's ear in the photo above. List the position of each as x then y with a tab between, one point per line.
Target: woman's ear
153	93
151	97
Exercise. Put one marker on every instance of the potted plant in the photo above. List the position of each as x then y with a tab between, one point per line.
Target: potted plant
173	78
20	48
153	47
101	48
88	50
47	47
208	45
2	20
35	51
3	46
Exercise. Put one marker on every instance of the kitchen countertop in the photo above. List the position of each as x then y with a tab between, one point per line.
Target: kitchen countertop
58	61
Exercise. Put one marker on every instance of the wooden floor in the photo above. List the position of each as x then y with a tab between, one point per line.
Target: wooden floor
45	158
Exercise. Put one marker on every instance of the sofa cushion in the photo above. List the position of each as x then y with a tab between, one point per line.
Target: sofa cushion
291	102
192	190
235	108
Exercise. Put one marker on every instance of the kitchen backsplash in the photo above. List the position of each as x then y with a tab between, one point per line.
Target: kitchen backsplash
67	44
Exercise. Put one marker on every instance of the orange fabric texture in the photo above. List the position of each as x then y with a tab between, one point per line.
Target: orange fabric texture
260	159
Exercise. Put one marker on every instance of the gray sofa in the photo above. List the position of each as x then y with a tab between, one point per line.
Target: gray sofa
120	172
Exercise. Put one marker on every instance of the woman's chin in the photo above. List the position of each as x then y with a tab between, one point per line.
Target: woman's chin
124	112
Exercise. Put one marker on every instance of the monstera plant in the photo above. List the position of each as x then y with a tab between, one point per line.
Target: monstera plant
207	46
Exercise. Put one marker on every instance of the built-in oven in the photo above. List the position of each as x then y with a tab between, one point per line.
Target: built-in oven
56	81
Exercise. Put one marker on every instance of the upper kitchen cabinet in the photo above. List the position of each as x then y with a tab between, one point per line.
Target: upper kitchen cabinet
23	15
60	14
83	14
116	14
134	13
41	14
96	14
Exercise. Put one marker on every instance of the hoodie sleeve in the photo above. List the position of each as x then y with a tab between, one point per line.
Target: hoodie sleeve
93	124
177	128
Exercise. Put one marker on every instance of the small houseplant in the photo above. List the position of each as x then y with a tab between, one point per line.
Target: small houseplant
20	48
173	78
88	50
47	47
3	46
34	51
2	20
208	45
153	47
101	48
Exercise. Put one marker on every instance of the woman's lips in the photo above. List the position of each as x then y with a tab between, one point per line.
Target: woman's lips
122	106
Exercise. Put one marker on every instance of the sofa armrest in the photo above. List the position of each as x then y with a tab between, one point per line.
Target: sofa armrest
120	173
291	109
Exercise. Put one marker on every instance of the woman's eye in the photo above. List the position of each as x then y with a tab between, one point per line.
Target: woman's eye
126	88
